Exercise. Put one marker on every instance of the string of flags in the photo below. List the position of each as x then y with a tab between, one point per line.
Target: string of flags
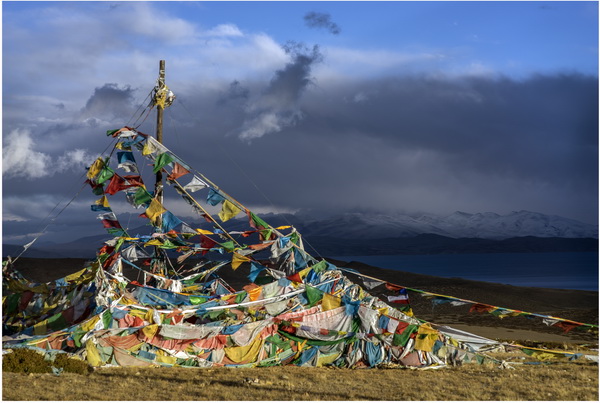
478	307
100	173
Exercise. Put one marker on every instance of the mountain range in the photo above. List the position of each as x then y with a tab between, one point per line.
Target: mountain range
363	233
456	225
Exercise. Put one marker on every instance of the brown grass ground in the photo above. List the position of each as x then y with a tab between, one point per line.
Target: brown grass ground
557	381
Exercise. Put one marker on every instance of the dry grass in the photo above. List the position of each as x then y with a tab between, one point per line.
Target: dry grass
559	380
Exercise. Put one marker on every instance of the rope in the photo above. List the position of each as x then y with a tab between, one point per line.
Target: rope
144	110
41	232
468	301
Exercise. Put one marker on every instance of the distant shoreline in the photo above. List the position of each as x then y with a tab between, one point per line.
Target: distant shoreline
562	270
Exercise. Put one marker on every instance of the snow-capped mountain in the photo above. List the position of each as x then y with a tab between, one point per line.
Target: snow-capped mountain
457	225
366	233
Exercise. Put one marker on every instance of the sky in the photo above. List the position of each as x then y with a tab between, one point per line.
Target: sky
396	107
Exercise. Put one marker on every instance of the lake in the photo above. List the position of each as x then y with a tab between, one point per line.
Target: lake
568	270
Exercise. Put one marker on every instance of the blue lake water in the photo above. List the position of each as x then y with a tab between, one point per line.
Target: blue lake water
568	270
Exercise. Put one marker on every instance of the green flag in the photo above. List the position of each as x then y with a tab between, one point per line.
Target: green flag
313	295
162	160
105	175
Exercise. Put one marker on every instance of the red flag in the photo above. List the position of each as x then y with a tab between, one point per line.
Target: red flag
566	325
177	172
481	308
116	184
206	242
393	287
134	180
111	224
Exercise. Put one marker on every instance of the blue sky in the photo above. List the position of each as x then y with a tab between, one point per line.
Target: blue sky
391	106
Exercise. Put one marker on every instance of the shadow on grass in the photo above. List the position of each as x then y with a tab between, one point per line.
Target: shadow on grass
213	388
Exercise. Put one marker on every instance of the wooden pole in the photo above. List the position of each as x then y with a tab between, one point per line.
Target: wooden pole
158	187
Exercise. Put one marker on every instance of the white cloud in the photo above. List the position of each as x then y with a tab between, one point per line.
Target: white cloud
151	22
12	217
20	159
269	122
224	30
360	62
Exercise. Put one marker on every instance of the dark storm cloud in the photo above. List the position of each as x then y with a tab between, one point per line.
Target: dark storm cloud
277	106
397	143
536	128
110	101
234	93
417	143
314	19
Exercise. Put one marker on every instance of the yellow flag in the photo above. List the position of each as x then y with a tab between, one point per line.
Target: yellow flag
95	168
547	356
330	302
103	201
426	337
120	146
155	210
149	147
150	330
166	359
255	293
76	276
304	272
203	231
237	260
153	242
93	357
284	227
90	324
228	211
245	354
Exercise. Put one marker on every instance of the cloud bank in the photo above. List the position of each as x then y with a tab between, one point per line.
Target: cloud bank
286	126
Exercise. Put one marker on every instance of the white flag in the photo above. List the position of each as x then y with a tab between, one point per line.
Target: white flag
195	185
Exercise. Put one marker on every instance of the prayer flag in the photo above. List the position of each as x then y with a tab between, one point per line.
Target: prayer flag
401	298
115	185
237	260
370	284
142	196
111	224
104	175
169	221
255	270
214	197
162	160
95	169
330	302
154	210
228	211
195	185
125	156
149	147
177	172
101	205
